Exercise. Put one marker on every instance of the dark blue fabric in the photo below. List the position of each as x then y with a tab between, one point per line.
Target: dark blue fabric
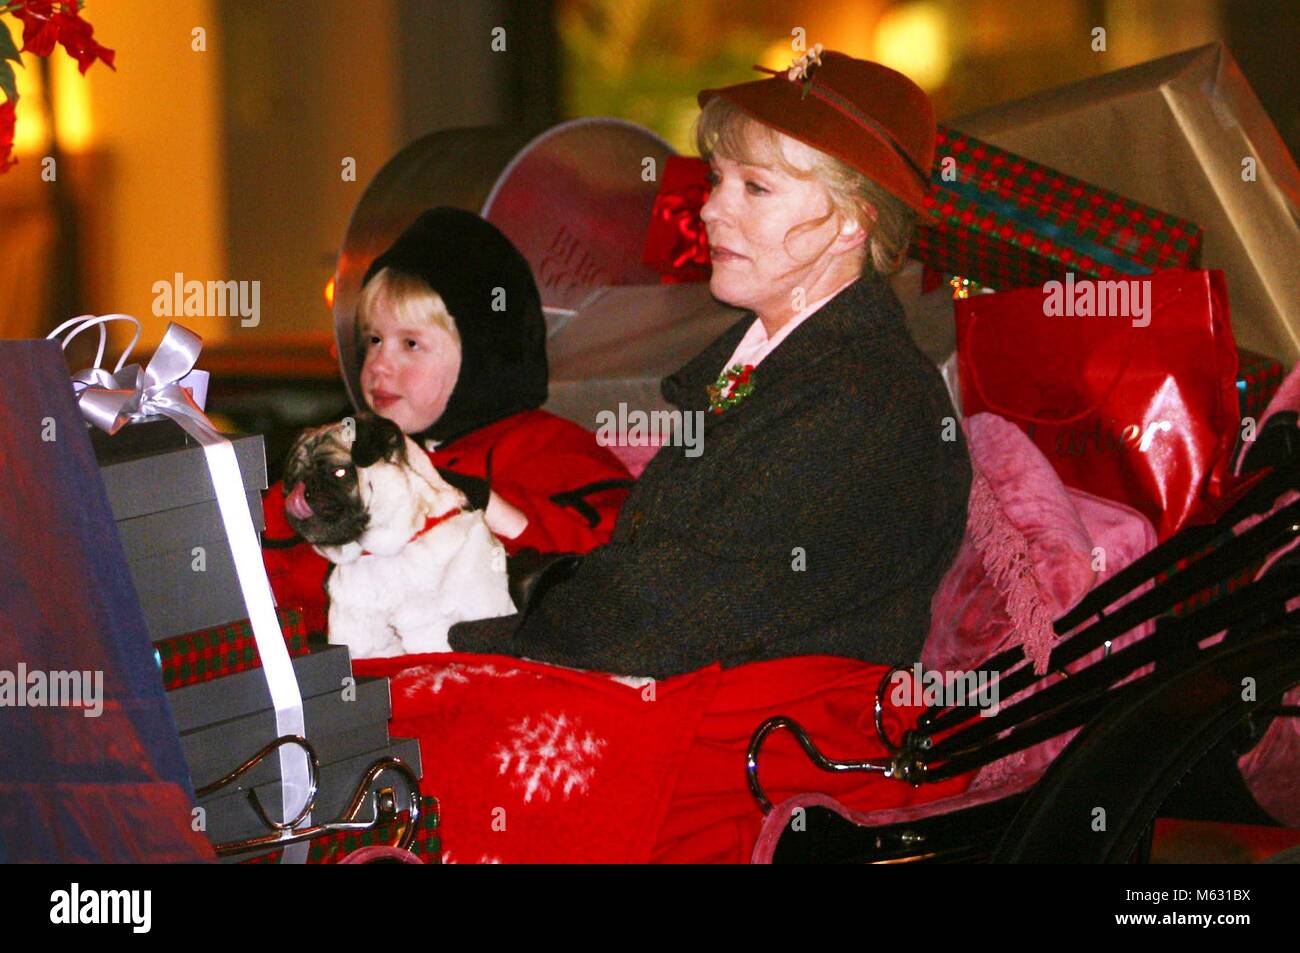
72	787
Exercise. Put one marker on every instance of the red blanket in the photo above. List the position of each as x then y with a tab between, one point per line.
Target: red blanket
533	763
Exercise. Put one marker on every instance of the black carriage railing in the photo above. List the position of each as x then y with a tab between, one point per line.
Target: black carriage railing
957	737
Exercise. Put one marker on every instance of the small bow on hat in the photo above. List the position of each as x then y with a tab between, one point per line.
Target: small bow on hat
801	68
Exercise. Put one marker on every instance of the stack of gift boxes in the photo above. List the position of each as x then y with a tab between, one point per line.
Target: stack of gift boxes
181	564
1003	221
1184	133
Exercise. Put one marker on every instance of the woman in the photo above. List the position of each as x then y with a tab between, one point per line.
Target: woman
450	326
830	497
806	540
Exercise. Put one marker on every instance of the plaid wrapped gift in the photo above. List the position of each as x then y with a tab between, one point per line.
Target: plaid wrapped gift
332	848
222	650
1007	222
1258	378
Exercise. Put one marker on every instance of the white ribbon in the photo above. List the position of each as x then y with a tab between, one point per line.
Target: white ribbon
129	394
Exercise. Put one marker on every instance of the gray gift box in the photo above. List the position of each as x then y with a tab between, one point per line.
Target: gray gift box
155	466
337	729
182	528
177	597
232	817
321	671
164	503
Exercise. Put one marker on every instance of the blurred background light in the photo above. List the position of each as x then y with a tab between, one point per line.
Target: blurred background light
31	128
72	113
913	39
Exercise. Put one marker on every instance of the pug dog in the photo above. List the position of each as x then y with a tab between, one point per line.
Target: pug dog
410	558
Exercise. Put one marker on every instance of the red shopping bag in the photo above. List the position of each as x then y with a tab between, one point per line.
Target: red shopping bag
1128	387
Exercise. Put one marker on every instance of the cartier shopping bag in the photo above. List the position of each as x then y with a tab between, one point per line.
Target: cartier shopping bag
1128	387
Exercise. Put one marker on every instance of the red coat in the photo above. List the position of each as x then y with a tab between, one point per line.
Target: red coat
569	487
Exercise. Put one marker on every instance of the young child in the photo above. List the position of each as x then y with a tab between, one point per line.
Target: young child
452	342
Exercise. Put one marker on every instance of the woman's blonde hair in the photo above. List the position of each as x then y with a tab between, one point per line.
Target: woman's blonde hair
888	221
413	302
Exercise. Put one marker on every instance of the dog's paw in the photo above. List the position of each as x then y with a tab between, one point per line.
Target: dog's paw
429	637
364	636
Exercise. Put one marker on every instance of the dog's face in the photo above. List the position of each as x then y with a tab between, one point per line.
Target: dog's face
326	500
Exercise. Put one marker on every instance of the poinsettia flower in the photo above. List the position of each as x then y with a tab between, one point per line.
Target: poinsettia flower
77	37
46	22
39	29
6	134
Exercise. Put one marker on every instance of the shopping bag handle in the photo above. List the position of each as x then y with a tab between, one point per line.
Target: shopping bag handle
91	321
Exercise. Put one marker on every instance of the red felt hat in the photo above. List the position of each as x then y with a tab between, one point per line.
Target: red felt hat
869	116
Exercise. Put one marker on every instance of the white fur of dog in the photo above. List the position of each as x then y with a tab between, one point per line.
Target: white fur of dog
395	593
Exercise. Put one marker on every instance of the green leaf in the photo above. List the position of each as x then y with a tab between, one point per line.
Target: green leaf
7	49
7	82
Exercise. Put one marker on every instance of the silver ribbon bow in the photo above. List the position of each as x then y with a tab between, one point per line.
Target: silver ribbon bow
111	400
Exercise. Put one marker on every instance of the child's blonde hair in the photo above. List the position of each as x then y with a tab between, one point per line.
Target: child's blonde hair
725	128
413	302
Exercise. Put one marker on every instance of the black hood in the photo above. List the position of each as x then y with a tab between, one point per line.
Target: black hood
465	259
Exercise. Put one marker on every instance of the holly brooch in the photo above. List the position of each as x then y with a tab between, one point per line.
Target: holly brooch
732	386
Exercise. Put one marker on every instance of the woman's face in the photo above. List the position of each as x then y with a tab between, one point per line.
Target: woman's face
409	372
748	214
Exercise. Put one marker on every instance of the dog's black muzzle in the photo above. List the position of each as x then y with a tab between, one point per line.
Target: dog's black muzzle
337	514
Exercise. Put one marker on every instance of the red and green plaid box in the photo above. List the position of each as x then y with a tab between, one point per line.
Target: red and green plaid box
1007	222
332	848
1258	378
222	650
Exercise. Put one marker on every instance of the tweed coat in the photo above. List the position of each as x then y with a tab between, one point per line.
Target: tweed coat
818	520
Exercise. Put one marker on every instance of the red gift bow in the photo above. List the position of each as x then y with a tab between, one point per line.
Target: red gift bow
677	244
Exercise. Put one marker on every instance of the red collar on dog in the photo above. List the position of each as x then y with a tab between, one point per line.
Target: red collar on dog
429	523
